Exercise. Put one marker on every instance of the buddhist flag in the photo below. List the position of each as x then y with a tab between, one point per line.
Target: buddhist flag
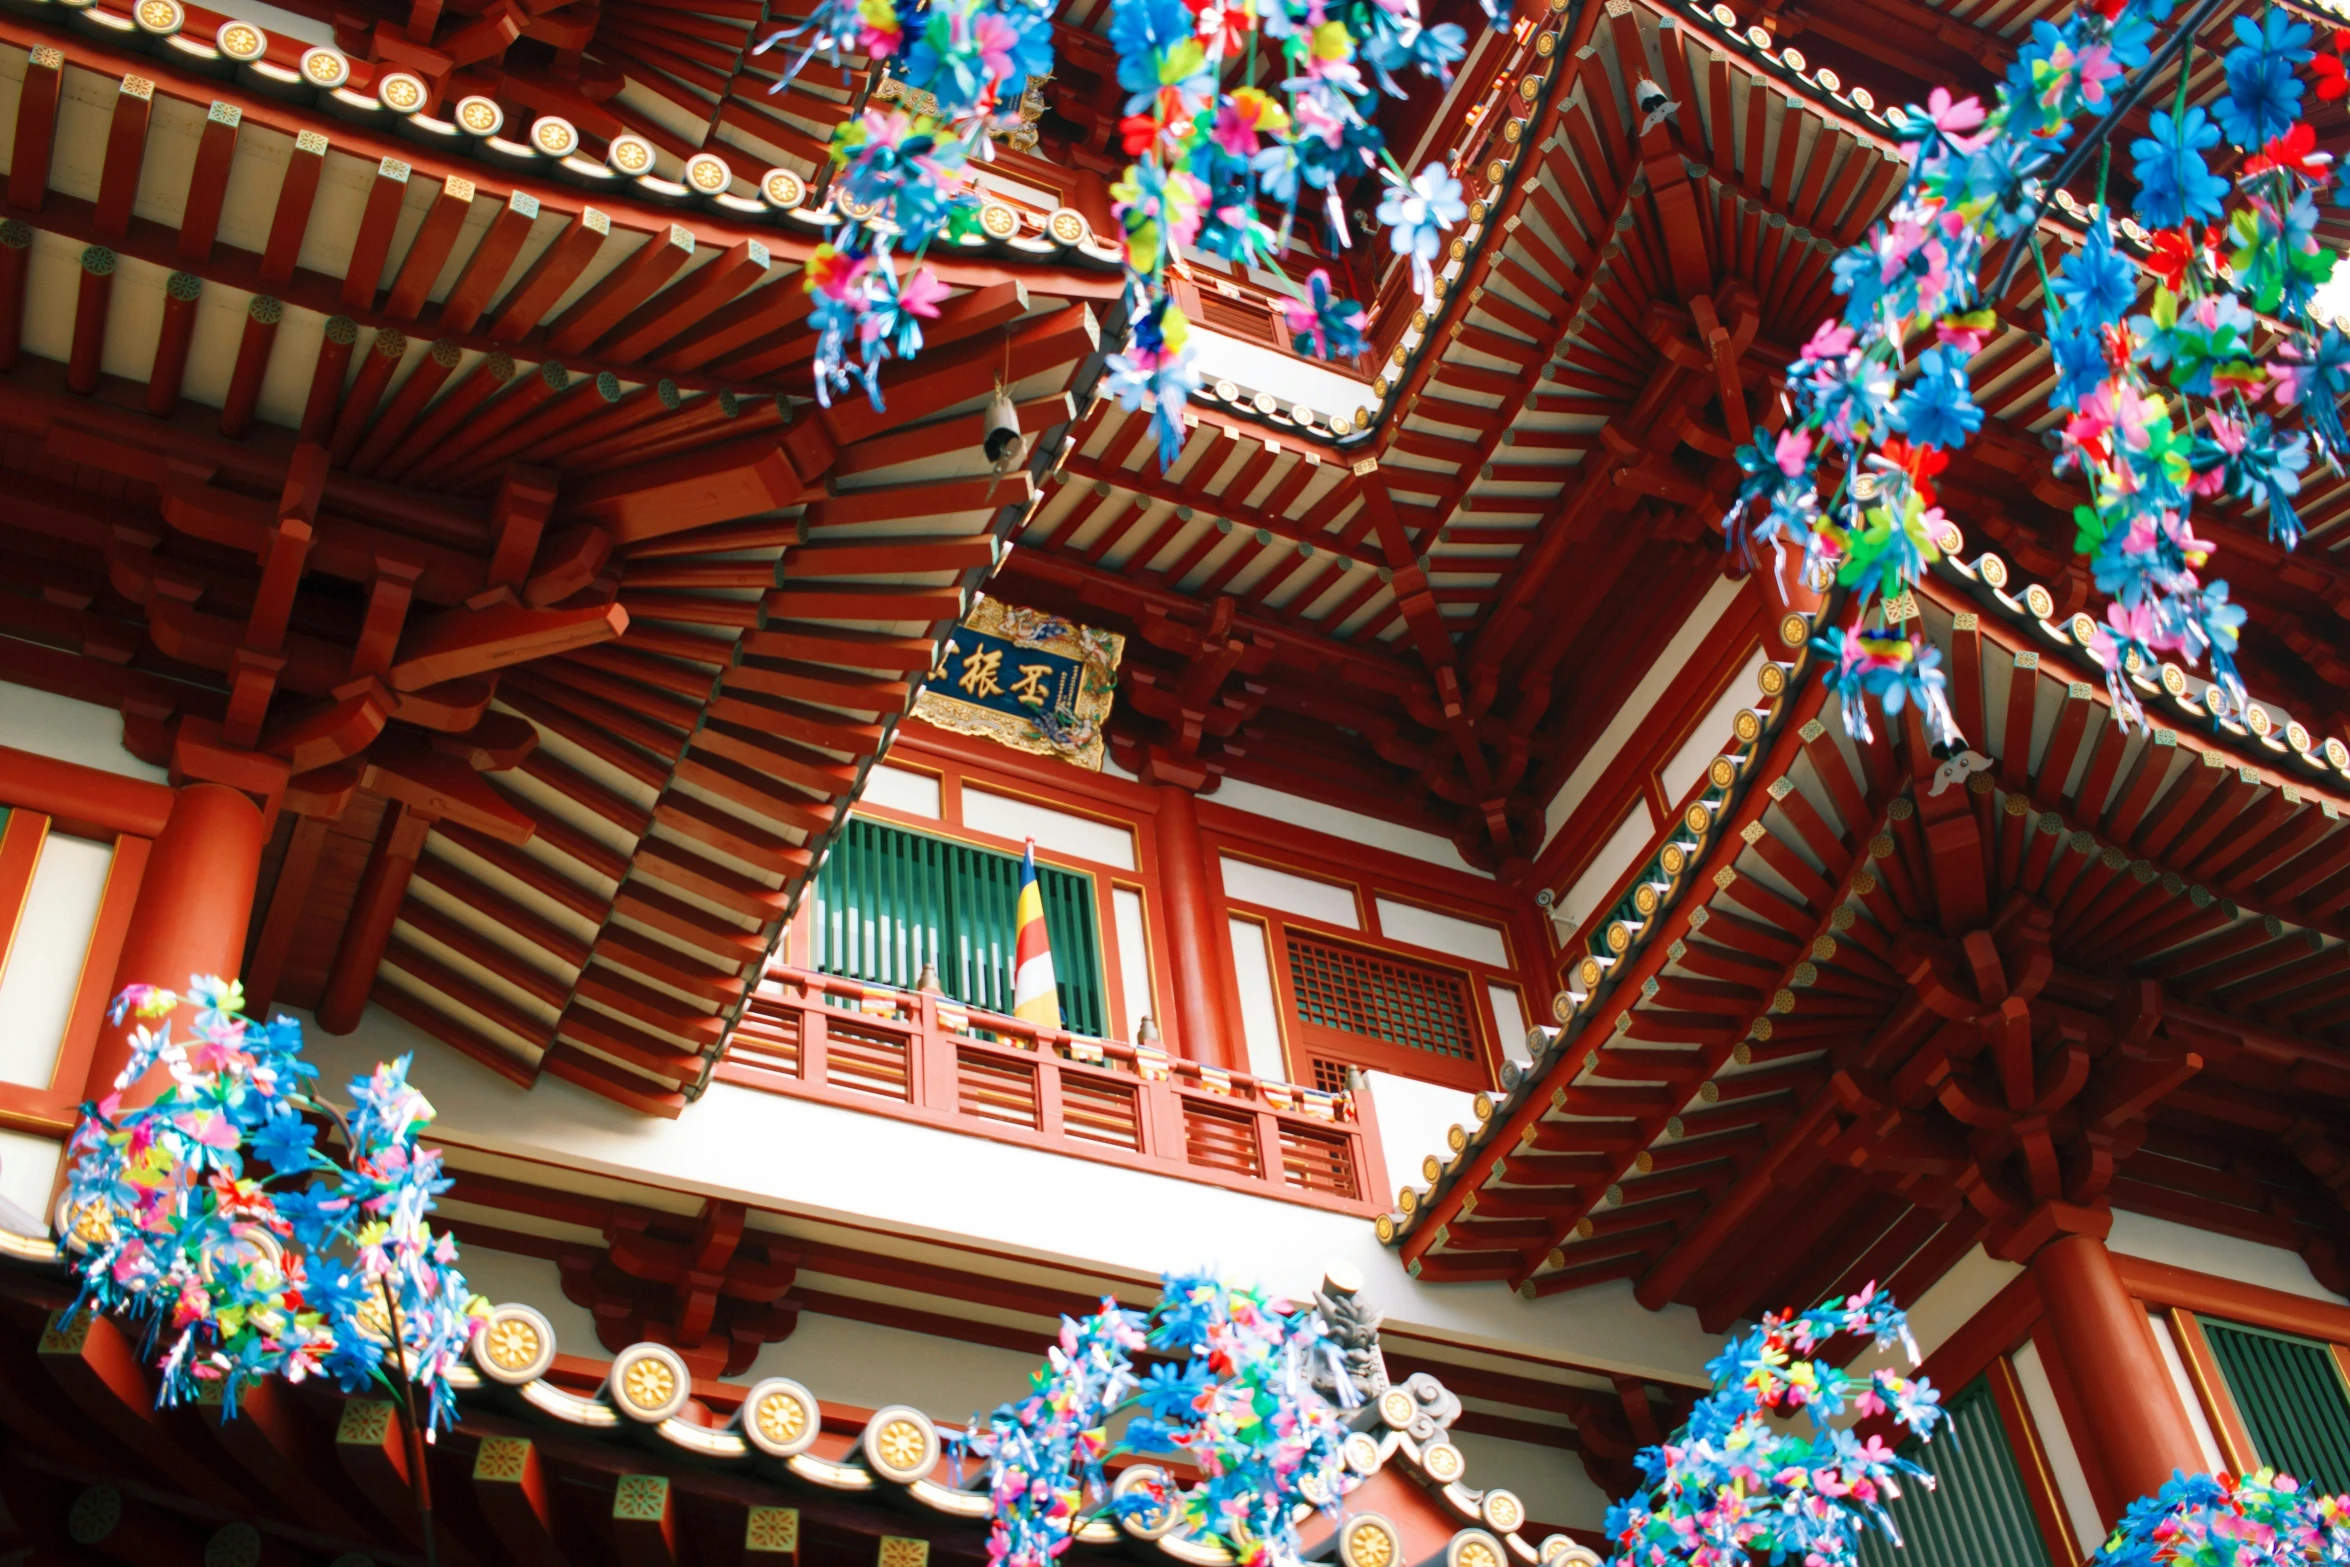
1034	995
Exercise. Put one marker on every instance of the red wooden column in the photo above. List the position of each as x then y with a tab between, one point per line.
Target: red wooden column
193	905
2136	1429
1201	1032
399	842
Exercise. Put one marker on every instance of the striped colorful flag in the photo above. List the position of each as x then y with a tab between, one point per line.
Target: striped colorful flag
1034	994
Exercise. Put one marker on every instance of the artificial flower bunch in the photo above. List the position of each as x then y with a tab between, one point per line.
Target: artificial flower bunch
1742	1483
1215	155
898	168
2264	1519
1236	1395
211	1217
2219	386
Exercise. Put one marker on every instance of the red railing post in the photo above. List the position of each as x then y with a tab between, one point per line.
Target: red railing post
812	1051
1363	1144
933	1076
1270	1167
1048	1090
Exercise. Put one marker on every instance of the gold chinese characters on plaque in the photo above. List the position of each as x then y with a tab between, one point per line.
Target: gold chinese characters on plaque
1022	678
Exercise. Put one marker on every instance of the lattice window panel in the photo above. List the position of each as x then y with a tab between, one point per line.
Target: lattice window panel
2293	1399
1378	997
1978	1514
1329	1075
889	901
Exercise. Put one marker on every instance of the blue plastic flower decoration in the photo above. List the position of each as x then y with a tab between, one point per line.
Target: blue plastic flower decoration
2174	183
1938	409
2096	281
2264	96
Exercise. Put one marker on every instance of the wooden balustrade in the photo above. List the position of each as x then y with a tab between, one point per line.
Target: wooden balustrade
923	1057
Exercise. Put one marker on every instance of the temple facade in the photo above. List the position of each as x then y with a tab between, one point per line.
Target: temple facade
433	593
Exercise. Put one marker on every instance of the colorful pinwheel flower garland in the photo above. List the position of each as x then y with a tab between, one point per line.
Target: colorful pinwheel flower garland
211	1218
1236	1396
1214	155
2264	1519
2199	374
1741	1483
1212	162
898	168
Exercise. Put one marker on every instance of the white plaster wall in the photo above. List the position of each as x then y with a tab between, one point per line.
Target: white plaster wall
2224	1256
1414	1118
1245	881
1549	1480
871	1365
1297	811
46	953
1446	933
509	1278
1955	1298
2064	1462
1065	832
71	731
917	794
799	1157
28	1169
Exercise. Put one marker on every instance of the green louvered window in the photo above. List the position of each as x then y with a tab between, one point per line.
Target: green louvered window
2290	1393
1978	1514
889	901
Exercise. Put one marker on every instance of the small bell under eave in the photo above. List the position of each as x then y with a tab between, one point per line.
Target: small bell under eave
1004	445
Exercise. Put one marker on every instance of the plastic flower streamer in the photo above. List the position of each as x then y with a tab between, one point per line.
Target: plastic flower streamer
1216	155
2264	1519
1221	163
2200	374
898	169
242	1248
1742	1482
1236	1396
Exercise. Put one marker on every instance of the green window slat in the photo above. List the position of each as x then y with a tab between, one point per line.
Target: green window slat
1978	1514
2290	1392
889	900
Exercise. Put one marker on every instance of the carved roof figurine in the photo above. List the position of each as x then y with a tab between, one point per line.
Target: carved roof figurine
1354	1331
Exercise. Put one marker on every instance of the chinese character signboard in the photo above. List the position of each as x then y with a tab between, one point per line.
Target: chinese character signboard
1028	680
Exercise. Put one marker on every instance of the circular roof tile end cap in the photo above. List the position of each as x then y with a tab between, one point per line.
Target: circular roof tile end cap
649	1383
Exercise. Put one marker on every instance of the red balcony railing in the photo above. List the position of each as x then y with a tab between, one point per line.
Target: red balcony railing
919	1056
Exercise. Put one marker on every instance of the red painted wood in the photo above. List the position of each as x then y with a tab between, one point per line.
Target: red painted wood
326	380
83	799
377	223
243	397
669	495
398	843
208	183
20	851
384	354
36	128
193	905
126	150
484	381
171	344
421	267
400	413
486	268
291	218
620	291
91	304
2132	1418
1202	1030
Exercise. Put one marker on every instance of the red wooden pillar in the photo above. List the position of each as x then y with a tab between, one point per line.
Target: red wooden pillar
2136	1429
374	910
1201	1031
193	905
